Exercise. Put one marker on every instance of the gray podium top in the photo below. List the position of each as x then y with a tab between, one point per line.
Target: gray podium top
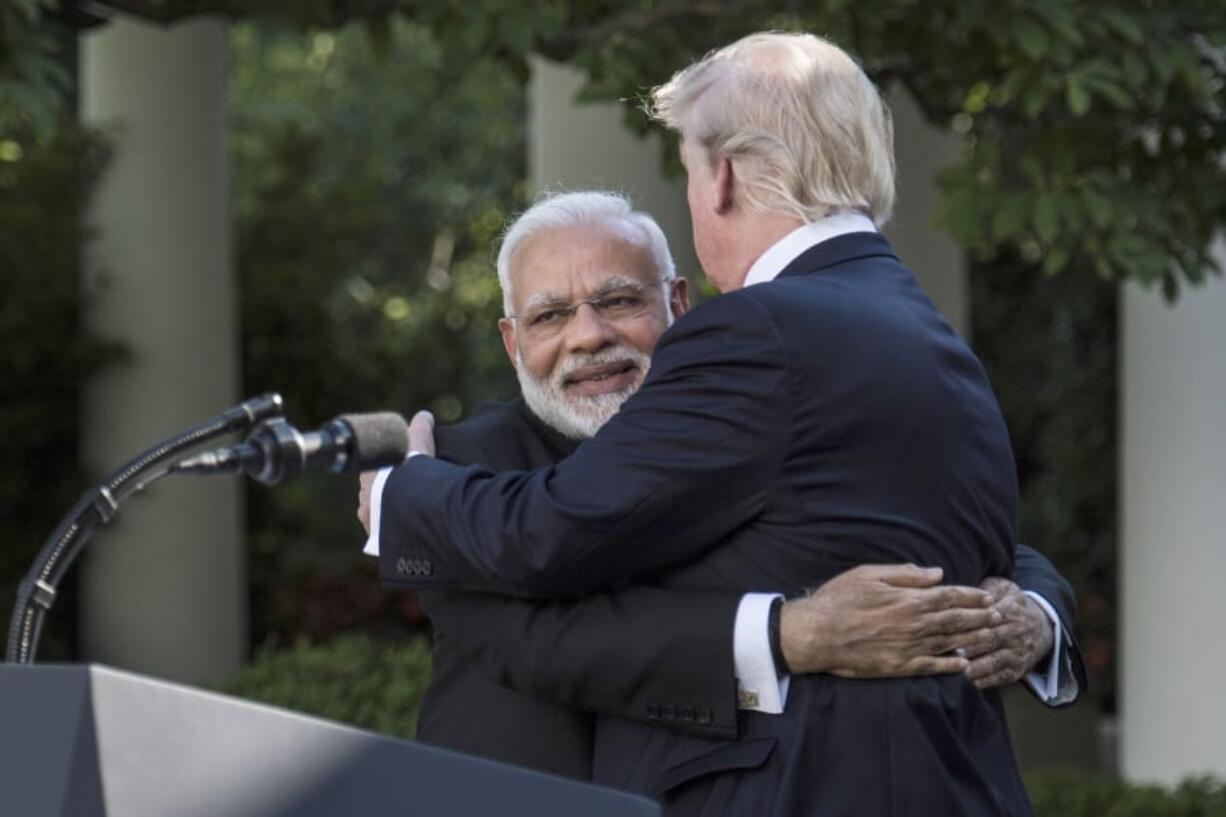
90	741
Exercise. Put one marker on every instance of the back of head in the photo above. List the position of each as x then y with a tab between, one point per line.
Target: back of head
576	208
805	129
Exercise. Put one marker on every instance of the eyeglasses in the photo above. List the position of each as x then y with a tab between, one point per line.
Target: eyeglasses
618	303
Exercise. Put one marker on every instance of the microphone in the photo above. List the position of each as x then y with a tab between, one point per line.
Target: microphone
276	451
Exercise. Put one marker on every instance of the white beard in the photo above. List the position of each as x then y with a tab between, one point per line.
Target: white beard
580	416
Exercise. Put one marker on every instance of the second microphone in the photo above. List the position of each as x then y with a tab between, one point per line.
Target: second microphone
276	451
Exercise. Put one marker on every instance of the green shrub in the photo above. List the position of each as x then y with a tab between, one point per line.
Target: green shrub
352	679
1075	794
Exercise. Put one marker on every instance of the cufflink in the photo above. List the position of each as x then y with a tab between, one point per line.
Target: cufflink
748	699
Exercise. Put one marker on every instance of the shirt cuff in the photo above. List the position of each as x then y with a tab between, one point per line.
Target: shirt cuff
759	688
376	508
376	505
1055	683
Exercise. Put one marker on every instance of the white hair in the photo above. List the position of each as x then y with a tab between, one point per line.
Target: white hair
556	210
803	126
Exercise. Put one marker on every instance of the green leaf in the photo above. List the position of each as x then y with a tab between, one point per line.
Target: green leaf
1078	98
1062	21
1123	24
1046	217
1010	216
977	98
1117	95
1135	70
1099	207
1055	261
1032	38
1035	97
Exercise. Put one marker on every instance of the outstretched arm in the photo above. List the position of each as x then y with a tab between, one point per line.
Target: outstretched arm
681	466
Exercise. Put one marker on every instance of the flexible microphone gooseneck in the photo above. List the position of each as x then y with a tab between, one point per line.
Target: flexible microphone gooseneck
97	506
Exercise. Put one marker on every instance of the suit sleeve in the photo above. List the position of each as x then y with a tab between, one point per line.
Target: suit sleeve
642	653
1034	572
684	463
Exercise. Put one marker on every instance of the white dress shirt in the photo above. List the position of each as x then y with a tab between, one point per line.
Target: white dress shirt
759	687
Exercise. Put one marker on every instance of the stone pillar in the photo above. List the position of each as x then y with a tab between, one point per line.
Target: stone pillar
921	150
163	587
1173	531
573	146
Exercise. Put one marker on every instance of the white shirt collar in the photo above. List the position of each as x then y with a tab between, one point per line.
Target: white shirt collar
791	246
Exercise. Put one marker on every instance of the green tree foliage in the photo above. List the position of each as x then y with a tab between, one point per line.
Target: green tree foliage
45	352
1049	344
1093	130
369	186
33	80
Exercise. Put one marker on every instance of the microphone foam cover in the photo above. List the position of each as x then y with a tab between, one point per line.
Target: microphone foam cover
379	439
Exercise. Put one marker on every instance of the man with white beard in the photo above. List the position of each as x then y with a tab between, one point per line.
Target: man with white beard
516	680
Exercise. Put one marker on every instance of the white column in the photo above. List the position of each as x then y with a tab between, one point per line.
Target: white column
1173	531
939	264
163	587
572	146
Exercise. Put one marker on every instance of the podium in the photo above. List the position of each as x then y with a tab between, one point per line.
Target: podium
91	741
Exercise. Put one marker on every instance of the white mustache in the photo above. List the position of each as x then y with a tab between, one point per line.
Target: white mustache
607	357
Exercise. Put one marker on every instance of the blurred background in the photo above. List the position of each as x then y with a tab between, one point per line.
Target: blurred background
210	199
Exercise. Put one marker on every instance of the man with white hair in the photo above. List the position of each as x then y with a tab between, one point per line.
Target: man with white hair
516	680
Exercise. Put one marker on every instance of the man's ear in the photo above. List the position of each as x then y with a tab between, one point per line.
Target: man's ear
725	185
507	328
679	296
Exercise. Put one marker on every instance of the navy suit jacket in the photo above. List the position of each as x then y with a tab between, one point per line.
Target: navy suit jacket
517	680
787	432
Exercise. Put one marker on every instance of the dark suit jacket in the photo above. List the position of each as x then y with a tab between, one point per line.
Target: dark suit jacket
787	432
518	681
622	653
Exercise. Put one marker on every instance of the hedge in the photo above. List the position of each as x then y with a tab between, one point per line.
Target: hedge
352	679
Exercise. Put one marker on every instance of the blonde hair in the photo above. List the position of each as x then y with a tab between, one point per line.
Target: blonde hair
803	126
574	208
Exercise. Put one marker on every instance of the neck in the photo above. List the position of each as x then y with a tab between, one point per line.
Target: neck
753	235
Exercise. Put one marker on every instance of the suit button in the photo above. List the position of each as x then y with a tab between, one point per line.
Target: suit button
426	567
653	711
687	714
668	712
705	716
